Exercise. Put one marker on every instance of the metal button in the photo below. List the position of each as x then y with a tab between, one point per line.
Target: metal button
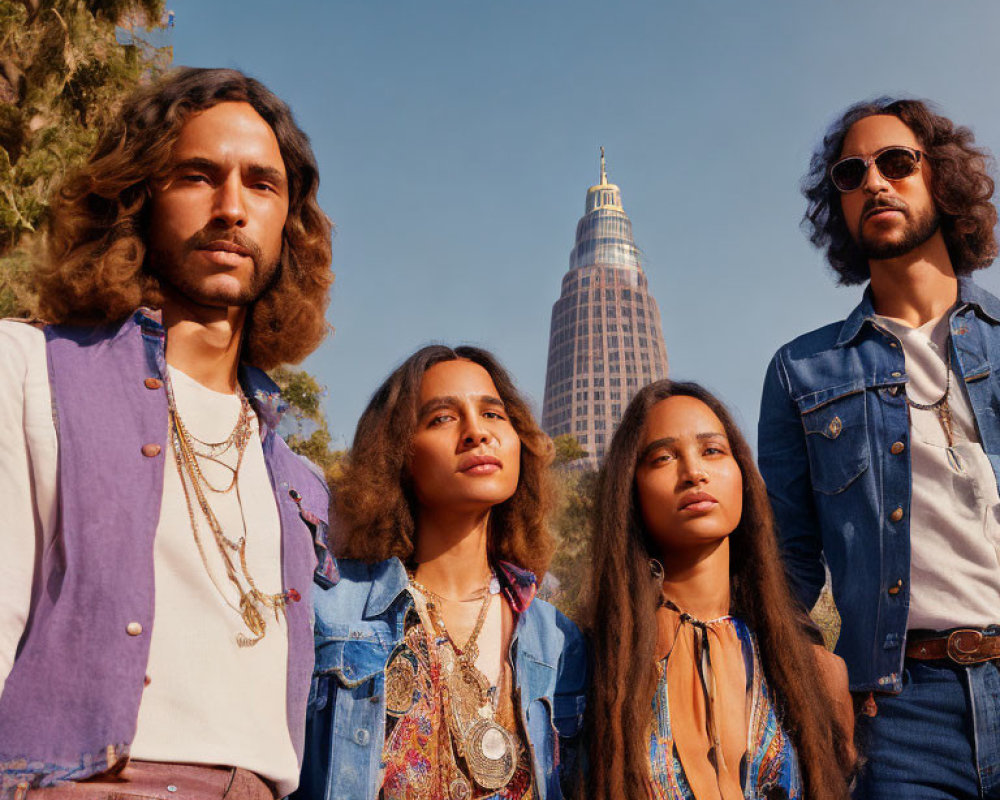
896	515
897	374
153	383
897	448
171	788
894	590
893	344
151	450
361	736
133	629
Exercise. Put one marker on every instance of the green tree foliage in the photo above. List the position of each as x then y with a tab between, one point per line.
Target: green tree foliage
63	76
567	449
577	491
308	433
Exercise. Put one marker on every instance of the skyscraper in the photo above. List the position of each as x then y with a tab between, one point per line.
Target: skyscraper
605	340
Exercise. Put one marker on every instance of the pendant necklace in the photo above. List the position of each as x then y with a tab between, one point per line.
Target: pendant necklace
943	411
488	748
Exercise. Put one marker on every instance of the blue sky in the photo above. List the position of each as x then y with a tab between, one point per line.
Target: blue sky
456	142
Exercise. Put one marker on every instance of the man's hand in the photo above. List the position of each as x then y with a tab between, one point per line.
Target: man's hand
833	673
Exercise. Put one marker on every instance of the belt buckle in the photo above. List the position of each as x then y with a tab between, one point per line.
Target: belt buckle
963	651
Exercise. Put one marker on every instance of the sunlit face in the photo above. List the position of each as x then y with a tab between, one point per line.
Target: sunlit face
465	453
689	485
888	218
216	219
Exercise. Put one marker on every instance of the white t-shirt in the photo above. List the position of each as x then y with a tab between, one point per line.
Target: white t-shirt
208	699
955	507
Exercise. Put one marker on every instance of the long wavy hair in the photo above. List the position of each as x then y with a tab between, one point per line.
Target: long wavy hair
960	184
624	597
96	272
375	501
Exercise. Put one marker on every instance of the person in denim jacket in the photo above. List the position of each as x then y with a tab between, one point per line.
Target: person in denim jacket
880	445
438	673
705	684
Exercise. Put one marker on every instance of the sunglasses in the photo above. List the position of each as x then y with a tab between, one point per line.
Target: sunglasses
894	163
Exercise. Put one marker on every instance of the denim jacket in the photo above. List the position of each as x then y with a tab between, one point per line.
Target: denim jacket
359	620
833	407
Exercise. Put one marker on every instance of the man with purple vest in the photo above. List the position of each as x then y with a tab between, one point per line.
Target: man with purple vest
159	539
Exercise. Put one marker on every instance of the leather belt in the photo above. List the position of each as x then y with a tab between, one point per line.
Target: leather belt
963	646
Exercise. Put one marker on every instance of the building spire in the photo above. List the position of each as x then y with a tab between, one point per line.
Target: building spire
604	174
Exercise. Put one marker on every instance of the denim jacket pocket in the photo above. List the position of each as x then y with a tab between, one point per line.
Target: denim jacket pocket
567	714
836	440
352	656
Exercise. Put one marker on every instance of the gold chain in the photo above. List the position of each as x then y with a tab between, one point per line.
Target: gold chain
251	598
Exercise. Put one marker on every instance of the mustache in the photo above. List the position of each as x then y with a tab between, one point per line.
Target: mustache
206	236
878	203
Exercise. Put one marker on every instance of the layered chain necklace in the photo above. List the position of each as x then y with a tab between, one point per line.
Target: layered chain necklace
188	449
488	748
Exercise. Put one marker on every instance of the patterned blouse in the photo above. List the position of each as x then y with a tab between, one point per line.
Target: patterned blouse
421	759
768	768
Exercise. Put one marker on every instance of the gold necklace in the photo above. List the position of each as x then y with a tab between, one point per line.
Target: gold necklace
488	748
251	600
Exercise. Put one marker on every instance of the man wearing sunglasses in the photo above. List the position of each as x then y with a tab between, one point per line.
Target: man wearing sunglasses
879	440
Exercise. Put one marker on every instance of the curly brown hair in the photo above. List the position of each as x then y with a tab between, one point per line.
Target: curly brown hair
96	270
374	498
624	597
960	184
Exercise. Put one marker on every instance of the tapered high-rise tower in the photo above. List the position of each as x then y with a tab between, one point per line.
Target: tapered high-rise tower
605	341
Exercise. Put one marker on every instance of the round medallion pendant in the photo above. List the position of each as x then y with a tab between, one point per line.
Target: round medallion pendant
490	752
400	680
459	789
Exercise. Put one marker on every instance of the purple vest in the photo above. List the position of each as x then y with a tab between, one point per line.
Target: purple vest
69	706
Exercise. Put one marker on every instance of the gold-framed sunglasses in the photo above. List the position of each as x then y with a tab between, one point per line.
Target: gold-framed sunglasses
894	163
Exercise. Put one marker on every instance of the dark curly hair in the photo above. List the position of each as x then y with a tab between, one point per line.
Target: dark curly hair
374	497
96	271
960	184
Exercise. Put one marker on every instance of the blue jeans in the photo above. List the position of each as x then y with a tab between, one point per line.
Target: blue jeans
939	738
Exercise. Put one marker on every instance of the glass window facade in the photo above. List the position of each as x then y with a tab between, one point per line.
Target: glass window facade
604	297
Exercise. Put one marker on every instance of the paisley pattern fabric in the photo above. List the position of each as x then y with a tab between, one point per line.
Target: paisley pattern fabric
769	770
420	757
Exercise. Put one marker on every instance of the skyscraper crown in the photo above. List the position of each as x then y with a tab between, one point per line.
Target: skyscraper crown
604	194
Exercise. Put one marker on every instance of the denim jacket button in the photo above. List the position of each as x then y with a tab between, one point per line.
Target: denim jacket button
896	515
361	736
153	383
897	448
151	450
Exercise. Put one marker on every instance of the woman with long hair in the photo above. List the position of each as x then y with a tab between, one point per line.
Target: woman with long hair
438	673
705	684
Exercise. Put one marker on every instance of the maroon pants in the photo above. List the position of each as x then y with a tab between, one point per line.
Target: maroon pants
152	780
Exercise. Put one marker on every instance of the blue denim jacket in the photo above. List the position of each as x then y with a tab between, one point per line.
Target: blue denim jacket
833	407
359	620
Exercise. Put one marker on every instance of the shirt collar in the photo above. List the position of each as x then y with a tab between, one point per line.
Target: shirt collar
969	294
261	391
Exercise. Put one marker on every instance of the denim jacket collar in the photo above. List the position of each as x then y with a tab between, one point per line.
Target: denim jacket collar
968	295
261	391
389	581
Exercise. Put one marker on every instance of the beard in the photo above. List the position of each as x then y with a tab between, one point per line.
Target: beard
917	231
169	266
